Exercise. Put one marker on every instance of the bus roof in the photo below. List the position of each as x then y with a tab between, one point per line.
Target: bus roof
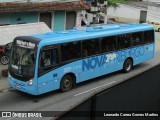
90	32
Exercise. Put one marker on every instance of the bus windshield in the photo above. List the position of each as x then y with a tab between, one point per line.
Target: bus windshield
22	62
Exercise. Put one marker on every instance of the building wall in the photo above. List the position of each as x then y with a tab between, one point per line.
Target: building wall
4	19
78	18
153	13
59	20
17	18
126	13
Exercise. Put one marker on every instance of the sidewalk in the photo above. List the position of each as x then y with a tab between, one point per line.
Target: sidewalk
3	80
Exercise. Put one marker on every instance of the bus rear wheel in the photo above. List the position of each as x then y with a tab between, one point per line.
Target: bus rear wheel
128	64
66	83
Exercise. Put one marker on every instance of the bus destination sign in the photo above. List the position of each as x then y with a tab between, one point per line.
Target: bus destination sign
25	44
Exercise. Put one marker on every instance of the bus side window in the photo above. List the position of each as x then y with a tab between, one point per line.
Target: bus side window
71	51
137	38
149	36
49	58
108	44
123	41
90	47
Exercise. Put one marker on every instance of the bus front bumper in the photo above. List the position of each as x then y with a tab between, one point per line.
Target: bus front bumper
22	86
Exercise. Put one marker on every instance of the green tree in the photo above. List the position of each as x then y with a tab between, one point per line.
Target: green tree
113	3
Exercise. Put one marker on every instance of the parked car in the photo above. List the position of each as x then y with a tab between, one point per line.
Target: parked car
156	25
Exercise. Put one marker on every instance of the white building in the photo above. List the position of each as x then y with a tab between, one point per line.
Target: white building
131	12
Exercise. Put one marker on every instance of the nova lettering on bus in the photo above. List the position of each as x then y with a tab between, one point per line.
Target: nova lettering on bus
96	62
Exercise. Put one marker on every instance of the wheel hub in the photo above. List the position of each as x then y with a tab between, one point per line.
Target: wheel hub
128	66
67	83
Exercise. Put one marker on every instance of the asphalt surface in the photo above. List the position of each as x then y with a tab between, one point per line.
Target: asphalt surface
57	101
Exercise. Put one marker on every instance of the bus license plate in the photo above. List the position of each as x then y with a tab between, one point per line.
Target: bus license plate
18	86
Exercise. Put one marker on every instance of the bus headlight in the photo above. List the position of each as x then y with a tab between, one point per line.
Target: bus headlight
30	83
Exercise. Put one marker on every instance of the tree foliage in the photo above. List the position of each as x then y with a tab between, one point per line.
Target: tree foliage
113	3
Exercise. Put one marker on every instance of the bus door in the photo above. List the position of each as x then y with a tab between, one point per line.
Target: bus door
48	76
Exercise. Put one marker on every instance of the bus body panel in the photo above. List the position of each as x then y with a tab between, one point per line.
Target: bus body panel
83	68
23	86
95	66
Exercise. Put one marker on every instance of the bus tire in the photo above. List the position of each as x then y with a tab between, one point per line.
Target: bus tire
66	83
128	65
159	30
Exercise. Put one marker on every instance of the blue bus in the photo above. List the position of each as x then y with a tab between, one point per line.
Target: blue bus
59	60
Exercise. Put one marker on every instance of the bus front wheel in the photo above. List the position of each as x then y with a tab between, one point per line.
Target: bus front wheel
128	64
66	83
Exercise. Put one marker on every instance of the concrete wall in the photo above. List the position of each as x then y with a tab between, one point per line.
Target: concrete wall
78	18
153	13
126	13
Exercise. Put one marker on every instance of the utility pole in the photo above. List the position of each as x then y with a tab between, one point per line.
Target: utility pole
105	11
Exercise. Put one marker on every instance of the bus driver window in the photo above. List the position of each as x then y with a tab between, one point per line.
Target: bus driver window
48	58
45	59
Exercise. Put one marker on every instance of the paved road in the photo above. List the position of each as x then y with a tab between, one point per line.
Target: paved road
3	80
56	101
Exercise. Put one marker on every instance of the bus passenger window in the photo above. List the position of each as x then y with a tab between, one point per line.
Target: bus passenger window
49	58
90	47
123	41
137	38
71	51
108	44
149	36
